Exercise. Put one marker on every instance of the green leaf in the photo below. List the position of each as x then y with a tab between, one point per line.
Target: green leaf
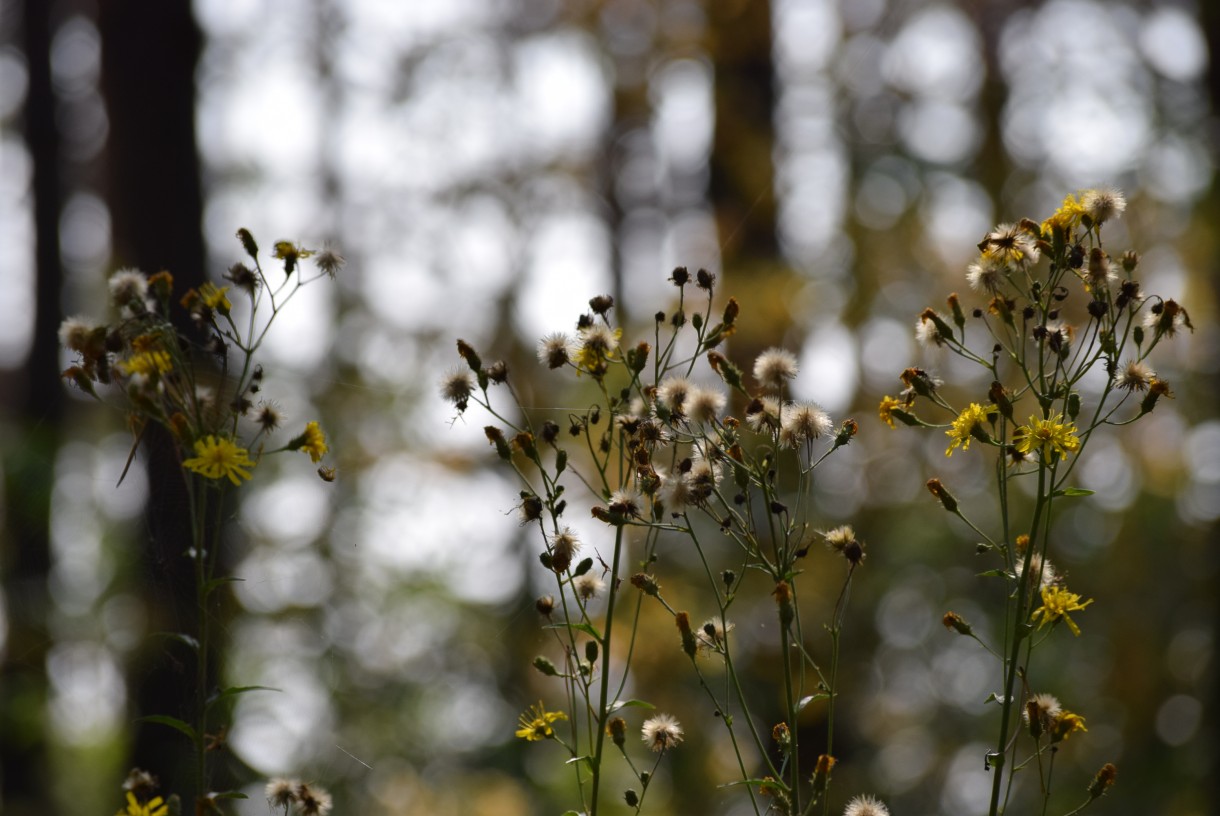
812	698
233	691
631	704
228	795
588	760
172	722
994	573
587	628
214	584
1073	491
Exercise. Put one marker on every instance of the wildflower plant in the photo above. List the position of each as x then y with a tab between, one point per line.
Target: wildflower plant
677	448
1058	375
202	385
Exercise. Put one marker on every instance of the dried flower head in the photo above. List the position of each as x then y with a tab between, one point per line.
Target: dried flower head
843	541
763	415
661	732
1040	710
927	332
673	392
773	367
564	545
312	800
74	333
269	417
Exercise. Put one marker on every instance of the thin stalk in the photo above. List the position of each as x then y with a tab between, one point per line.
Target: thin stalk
605	680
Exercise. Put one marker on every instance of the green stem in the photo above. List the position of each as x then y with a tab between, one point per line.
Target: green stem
605	679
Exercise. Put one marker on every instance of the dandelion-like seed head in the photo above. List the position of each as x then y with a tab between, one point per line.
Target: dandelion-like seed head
802	422
986	274
673	392
74	333
662	732
282	792
843	541
599	339
128	289
1103	204
775	366
711	635
458	387
1045	707
1011	246
330	261
763	415
705	405
555	350
625	503
927	334
564	545
1135	376
1100	273
269	417
865	805
588	586
1040	569
312	800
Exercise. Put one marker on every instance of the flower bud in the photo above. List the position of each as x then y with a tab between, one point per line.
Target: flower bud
942	493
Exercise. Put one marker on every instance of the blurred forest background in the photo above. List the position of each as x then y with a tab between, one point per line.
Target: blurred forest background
486	166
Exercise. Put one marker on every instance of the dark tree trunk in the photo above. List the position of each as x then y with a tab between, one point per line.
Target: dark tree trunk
34	399
150	51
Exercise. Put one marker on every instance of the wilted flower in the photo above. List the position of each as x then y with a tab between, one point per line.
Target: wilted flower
330	261
128	287
988	274
673	393
763	415
457	387
282	792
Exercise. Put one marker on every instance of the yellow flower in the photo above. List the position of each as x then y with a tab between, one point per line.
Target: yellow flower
220	457
147	363
536	723
1057	602
313	442
1065	724
214	297
967	426
1047	435
153	807
886	409
1065	218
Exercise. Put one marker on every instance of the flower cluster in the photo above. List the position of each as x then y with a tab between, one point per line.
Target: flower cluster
679	438
1038	350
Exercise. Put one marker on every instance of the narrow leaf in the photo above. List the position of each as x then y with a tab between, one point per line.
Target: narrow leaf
172	722
214	584
1073	491
181	637
587	628
632	704
233	691
228	795
821	695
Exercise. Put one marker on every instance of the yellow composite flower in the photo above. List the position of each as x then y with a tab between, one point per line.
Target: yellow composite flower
153	807
147	363
886	409
536	723
214	297
1065	218
965	426
313	442
218	457
1047	435
1065	724
1057	602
